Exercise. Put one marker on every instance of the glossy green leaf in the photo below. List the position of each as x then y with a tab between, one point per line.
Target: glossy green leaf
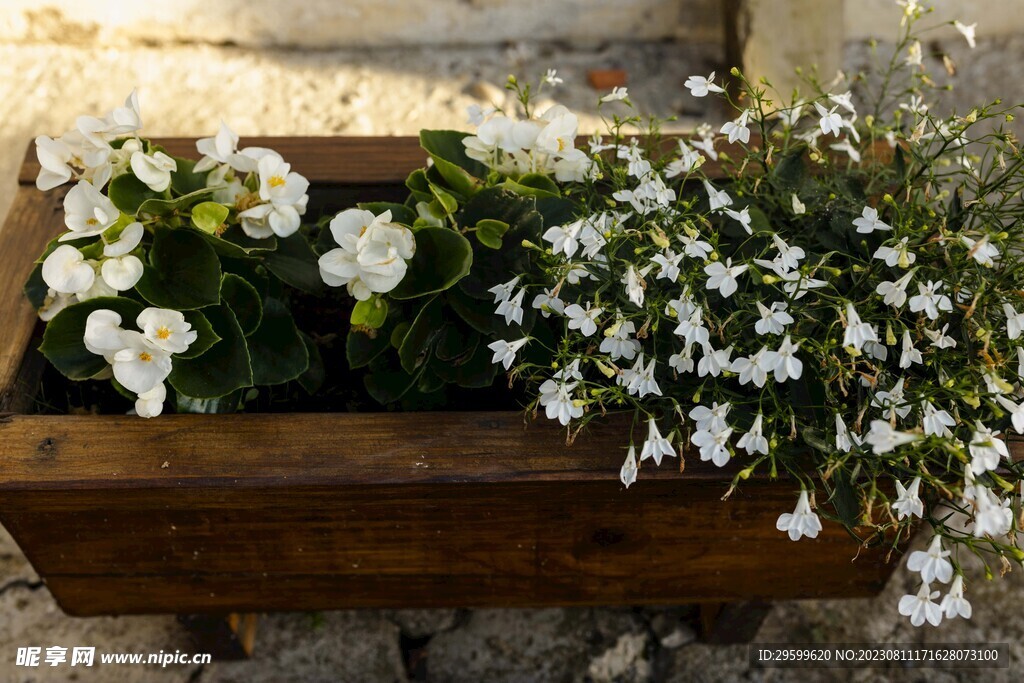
416	344
63	339
295	263
165	207
128	193
223	369
449	154
361	348
206	336
234	243
316	374
442	258
245	301
209	216
490	232
183	271
389	386
277	350
184	180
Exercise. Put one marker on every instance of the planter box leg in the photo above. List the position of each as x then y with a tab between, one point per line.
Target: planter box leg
732	623
224	638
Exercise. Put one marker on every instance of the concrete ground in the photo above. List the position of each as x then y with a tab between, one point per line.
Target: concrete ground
185	91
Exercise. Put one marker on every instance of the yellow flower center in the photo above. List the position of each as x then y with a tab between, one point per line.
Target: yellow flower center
163	333
92	221
362	230
275	181
561	145
145	357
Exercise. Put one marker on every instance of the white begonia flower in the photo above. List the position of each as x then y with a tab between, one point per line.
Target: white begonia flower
628	472
713	446
372	254
982	251
908	501
122	272
742	216
921	607
884	439
100	287
711	419
754	368
784	362
898	255
583	319
830	122
619	342
151	403
54	163
718	199
930	300
559	135
773	320
154	170
278	183
801	522
857	333
54	303
894	293
512	308
714	362
910	355
139	366
556	399
66	271
869	221
87	212
505	351
954	604
1014	321
166	329
103	333
936	422
932	563
845	439
656	445
737	129
967	31
129	238
564	238
723	276
754	441
700	86
986	450
616	95
218	149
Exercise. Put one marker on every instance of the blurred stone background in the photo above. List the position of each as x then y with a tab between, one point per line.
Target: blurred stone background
391	67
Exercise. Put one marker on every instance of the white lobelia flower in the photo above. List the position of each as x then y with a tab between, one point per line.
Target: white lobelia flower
932	563
103	333
892	401
915	55
1014	321
556	399
898	255
547	303
688	160
122	272
921	607
140	365
695	247
634	286
857	333
714	362
166	329
789	257
910	355
844	100
54	163
830	122
754	368
66	271
669	265
845	439
642	381
723	276
700	86
692	329
505	351
986	450
847	147
869	221
656	445
583	319
908	501
87	212
773	320
628	472
754	441
798	206
151	403
153	170
967	31
801	522
564	238
713	446
784	361
992	517
718	199
1016	412
884	439
954	604
941	341
711	419
936	422
738	130
894	293
512	308
930	300
982	251
501	292
372	254
682	362
619	342
616	95
742	216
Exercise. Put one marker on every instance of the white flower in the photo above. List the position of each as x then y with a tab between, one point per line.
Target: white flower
754	368
54	163
103	333
868	221
894	293
583	319
936	422
556	398
932	563
967	32
54	303
784	361
475	114
992	517
546	302
140	365
847	146
941	341
742	216
512	308
773	320
714	446
87	212
563	238
908	500
688	160
217	149
982	251
151	403
723	276
166	329
642	380
122	272
656	445
154	170
129	238
831	122
844	100
501	292
845	439
789	257
921	607
700	86
718	199
1016	412
714	362
986	449
634	286
711	419
737	130
930	300
798	206
618	342
801	522
694	247
505	351
372	254
914	54
884	439
615	95
892	401
857	333
898	255
66	271
754	441
551	78
669	263
954	604
910	354
790	117
1014	321
627	475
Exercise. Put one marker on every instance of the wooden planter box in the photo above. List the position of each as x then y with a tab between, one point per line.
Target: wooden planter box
212	514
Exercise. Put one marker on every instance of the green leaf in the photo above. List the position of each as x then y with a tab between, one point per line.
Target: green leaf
295	263
844	498
63	339
277	350
415	345
389	386
532	185
447	202
209	406
419	186
372	313
128	193
792	169
209	216
165	207
455	347
477	313
489	232
449	154
35	288
183	271
223	369
400	213
185	180
245	301
316	374
361	348
442	258
234	243
206	336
